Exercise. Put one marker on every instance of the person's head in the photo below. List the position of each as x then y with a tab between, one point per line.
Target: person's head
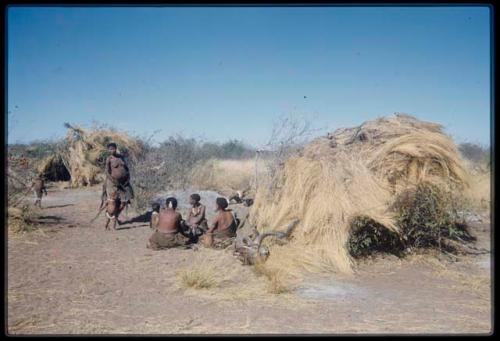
171	202
156	207
112	148
194	198
221	203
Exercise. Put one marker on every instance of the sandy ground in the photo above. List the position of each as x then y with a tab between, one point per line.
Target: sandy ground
72	277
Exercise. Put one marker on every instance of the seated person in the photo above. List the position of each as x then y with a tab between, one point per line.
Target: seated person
154	215
196	220
224	225
169	232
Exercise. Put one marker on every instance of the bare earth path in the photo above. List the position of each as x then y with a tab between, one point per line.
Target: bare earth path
72	277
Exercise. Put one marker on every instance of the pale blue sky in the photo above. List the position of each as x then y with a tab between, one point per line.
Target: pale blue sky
229	72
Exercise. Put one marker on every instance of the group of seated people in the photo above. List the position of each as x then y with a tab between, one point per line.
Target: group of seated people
171	230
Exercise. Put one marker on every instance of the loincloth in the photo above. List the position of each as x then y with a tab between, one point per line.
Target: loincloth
125	191
160	240
223	239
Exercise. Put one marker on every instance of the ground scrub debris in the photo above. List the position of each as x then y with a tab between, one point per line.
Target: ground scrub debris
329	185
22	219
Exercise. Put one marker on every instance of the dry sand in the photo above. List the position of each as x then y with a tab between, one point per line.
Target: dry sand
72	277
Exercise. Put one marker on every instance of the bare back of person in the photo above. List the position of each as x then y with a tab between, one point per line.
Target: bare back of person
168	221
223	221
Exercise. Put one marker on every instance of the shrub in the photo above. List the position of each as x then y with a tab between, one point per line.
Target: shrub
426	217
370	237
475	152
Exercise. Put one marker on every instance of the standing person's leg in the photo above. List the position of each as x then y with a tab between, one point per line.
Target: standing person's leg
38	198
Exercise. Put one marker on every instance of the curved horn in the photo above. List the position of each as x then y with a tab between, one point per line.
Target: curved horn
279	234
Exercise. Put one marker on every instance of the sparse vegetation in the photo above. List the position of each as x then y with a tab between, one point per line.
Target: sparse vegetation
427	218
22	219
475	152
198	276
370	237
276	278
171	165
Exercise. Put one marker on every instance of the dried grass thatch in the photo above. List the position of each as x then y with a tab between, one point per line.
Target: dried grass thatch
350	173
82	155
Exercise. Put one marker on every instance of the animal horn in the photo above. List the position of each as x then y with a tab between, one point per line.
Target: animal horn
279	234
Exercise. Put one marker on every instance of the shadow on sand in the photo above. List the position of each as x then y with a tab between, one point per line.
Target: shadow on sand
58	206
144	218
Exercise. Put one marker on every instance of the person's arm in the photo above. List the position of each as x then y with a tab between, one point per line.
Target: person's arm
190	213
214	225
154	221
201	215
125	165
108	168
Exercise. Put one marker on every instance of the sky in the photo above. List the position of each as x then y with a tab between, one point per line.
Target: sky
220	73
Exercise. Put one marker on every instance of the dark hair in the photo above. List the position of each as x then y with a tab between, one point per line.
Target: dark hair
195	197
171	200
111	144
156	207
221	202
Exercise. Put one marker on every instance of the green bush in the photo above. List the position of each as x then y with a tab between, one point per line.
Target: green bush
426	217
369	237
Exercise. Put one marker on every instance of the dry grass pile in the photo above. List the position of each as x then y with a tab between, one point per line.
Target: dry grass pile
351	173
83	155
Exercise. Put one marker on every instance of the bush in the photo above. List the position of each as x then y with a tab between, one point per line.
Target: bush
370	237
426	217
475	152
169	165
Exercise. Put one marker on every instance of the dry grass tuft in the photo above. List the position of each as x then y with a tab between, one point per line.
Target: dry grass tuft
277	282
22	219
200	275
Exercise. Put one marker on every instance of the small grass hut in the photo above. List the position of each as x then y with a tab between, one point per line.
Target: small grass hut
351	173
81	158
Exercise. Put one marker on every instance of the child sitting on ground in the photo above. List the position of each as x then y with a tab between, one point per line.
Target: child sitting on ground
154	215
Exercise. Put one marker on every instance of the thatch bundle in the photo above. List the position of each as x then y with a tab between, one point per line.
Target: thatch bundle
83	155
351	173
